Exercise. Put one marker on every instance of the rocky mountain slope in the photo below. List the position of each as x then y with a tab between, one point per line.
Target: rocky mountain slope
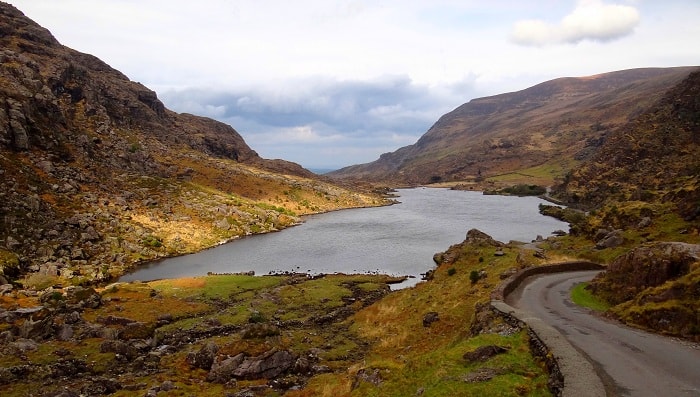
653	158
97	175
542	131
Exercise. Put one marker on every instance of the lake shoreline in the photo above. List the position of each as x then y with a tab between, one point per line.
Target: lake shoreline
376	240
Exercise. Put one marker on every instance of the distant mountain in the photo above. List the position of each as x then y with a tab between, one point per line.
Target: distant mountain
97	175
545	129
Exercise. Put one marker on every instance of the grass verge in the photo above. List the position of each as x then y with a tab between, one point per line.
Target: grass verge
583	297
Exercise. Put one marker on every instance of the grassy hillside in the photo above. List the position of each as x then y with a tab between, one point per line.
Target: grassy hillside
334	335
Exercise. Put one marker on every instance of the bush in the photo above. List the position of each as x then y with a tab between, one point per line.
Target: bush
152	241
256	317
451	271
474	276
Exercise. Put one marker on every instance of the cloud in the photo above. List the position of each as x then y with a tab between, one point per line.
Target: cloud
590	20
325	122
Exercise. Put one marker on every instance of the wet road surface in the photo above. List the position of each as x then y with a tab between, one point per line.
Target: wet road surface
630	362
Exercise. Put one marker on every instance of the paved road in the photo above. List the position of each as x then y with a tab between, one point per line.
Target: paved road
631	362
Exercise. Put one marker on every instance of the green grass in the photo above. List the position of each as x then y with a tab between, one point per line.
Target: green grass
542	174
214	287
441	371
583	297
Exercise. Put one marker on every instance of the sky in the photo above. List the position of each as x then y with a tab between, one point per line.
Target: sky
331	83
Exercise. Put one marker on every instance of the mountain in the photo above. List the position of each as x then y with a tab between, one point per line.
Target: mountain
654	157
98	175
540	132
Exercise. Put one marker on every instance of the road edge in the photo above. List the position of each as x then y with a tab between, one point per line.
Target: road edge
574	374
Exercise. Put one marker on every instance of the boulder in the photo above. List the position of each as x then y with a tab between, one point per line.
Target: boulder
268	365
65	332
367	375
482	375
24	345
100	387
611	240
644	222
222	370
483	353
204	357
119	347
69	367
83	297
137	330
37	326
430	318
646	266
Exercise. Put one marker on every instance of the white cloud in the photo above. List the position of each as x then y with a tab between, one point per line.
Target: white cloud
590	20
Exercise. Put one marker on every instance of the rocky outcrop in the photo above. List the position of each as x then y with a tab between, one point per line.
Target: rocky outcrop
475	238
655	286
484	353
204	357
644	267
268	365
610	239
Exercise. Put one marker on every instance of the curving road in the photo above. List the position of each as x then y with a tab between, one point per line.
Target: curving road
630	362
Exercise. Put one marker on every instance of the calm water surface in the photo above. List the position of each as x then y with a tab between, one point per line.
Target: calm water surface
399	239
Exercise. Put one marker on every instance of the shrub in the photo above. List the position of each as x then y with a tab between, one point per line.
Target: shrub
256	317
474	276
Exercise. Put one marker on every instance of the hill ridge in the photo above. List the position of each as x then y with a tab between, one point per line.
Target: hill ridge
564	118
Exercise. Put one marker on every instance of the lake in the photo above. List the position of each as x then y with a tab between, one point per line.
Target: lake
399	240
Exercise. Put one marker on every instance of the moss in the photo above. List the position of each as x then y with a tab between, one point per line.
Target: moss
9	263
39	281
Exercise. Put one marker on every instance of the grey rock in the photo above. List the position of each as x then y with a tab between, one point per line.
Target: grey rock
430	318
72	318
204	358
611	240
83	297
269	365
167	386
38	326
644	222
222	370
367	375
5	288
24	345
483	353
65	333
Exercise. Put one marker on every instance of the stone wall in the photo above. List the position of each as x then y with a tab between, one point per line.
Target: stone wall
571	374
